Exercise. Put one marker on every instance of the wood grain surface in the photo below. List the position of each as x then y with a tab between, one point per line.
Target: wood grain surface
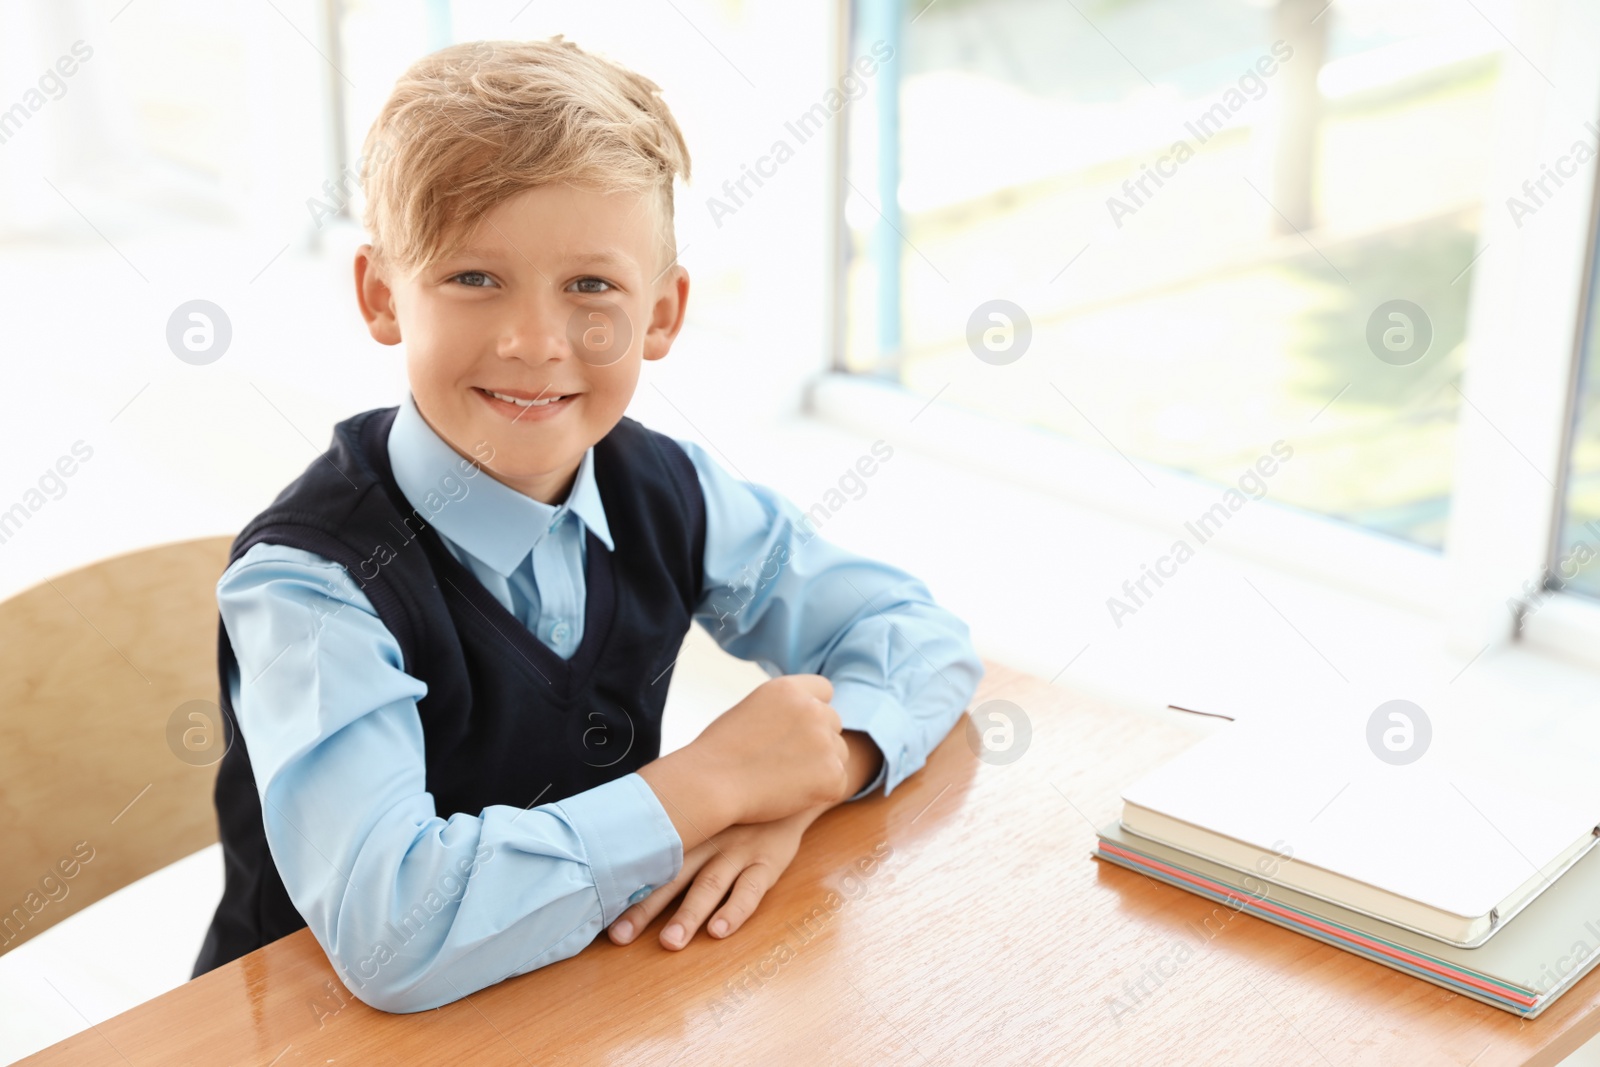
967	925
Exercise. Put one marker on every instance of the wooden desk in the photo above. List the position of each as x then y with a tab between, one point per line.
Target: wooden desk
987	935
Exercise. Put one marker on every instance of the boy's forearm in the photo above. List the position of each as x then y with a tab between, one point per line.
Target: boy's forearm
699	811
693	799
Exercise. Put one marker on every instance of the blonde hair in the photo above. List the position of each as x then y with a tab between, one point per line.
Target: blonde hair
474	124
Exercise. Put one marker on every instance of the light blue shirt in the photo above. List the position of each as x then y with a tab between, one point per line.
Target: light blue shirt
417	910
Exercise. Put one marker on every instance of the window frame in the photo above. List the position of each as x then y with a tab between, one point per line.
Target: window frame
1527	344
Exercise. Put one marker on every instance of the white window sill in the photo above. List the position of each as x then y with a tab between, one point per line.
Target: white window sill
1026	536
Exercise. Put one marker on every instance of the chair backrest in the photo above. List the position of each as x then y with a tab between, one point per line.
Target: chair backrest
109	729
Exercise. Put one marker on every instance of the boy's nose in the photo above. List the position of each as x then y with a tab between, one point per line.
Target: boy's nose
536	337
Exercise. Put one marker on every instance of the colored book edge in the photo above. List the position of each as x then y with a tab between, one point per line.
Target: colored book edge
1508	996
1352	894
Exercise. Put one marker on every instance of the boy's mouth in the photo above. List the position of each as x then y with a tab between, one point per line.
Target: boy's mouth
523	406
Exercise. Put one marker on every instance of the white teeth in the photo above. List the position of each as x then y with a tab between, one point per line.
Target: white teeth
524	403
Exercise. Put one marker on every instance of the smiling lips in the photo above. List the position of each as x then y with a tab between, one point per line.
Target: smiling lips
524	400
523	407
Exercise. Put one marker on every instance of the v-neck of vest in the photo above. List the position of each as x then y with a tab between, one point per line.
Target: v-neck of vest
599	601
599	593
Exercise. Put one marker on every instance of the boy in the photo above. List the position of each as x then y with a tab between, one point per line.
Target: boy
445	647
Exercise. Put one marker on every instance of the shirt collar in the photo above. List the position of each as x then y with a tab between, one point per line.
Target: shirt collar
488	518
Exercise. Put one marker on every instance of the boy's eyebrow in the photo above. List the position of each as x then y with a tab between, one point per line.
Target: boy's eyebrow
604	257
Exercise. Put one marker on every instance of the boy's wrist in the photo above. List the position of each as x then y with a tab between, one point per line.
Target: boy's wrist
694	796
723	797
865	761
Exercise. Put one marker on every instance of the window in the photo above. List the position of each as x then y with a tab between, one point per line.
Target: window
1260	227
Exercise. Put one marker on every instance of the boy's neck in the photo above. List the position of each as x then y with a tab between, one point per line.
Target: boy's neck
554	497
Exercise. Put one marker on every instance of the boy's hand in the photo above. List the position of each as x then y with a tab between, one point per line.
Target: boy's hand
777	752
785	743
747	858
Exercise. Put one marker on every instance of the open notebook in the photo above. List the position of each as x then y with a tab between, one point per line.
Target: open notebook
1444	852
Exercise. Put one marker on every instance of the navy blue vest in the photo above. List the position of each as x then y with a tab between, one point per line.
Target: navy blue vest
505	720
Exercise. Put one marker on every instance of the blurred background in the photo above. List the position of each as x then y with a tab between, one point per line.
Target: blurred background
1083	265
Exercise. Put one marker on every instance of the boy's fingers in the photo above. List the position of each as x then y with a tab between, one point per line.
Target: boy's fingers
636	917
817	685
710	886
747	892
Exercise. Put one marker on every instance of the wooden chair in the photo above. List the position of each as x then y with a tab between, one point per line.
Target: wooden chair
97	745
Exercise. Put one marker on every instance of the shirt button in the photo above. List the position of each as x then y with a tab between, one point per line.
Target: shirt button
640	893
559	632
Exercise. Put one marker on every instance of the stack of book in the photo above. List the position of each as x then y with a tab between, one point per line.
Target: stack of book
1489	889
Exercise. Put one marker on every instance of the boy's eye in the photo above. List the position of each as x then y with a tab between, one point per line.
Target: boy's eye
593	286
473	278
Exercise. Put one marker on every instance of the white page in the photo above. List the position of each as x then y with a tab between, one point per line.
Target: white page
1454	833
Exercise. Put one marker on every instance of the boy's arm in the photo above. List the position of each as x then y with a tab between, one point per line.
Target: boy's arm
330	720
740	864
902	670
902	667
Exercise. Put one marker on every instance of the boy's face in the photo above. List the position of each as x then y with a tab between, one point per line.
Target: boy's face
560	292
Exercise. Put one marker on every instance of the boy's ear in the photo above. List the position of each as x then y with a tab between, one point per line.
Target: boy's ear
666	314
376	299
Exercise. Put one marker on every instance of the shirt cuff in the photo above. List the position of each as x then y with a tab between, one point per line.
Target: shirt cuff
631	844
876	713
